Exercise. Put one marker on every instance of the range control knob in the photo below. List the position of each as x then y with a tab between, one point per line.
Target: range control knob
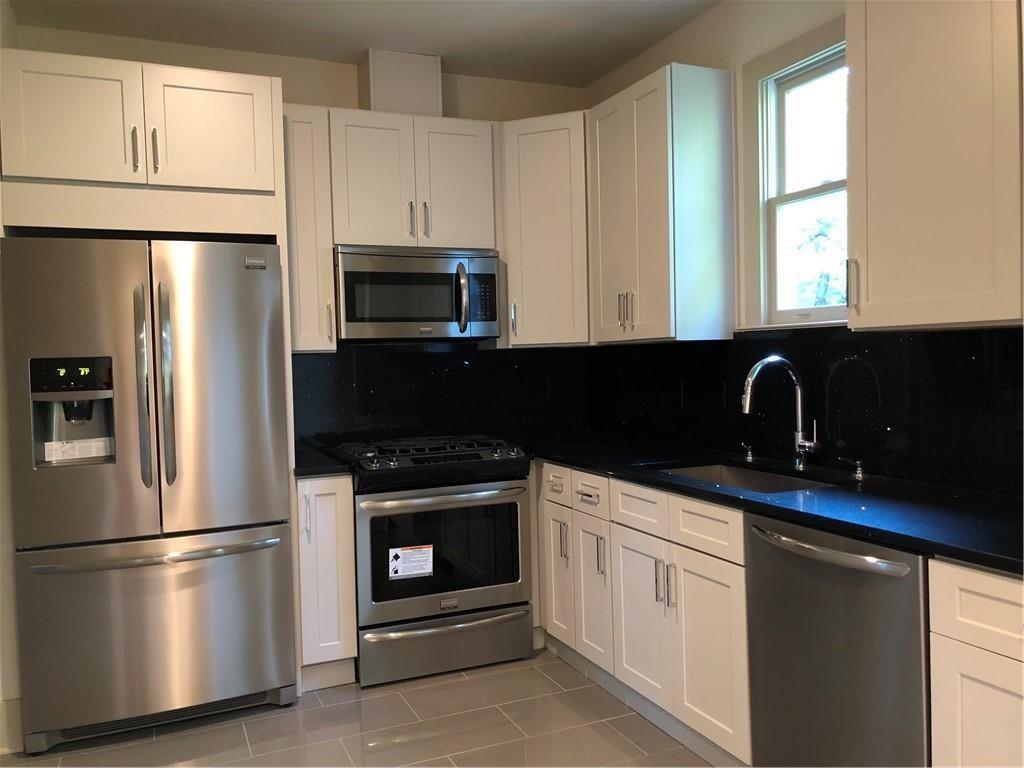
496	453
373	463
392	461
515	451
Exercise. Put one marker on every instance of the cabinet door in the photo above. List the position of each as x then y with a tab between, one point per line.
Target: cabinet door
72	117
556	571
646	630
546	229
712	695
649	310
592	584
934	177
455	182
373	178
310	236
327	577
209	129
976	705
612	214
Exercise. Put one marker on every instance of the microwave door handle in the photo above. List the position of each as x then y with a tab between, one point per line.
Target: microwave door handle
463	278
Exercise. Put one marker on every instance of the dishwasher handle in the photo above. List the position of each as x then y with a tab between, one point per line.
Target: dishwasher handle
867	563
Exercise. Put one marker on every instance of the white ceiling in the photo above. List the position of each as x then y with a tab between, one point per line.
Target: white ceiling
569	42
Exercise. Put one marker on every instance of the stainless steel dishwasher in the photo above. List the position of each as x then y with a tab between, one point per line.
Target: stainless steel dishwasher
837	657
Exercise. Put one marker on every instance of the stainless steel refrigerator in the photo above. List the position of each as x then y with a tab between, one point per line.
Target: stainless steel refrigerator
148	481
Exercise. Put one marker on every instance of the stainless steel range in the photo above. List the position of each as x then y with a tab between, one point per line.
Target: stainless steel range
442	571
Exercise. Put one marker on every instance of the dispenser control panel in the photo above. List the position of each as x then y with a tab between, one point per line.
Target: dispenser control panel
71	374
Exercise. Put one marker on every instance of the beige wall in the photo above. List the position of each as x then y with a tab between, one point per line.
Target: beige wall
310	81
727	35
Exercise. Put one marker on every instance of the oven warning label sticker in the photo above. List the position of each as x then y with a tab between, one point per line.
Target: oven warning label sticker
411	562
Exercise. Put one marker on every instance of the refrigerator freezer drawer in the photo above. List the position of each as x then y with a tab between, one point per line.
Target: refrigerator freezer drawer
122	630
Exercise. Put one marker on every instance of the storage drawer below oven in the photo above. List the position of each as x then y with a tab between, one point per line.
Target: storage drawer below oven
444	644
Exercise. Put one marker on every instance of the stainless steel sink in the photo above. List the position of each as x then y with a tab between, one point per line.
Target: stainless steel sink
746	479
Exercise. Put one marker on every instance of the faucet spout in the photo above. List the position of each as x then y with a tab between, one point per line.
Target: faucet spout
801	444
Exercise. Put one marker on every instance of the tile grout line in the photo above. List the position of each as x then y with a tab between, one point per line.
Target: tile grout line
345	750
643	751
410	706
525	734
248	744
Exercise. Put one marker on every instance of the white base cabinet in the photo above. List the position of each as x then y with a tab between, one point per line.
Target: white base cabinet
327	574
977	711
592	589
556	572
307	167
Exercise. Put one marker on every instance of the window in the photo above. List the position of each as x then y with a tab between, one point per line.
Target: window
802	159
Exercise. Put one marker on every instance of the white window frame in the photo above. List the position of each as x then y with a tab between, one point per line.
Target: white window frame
771	154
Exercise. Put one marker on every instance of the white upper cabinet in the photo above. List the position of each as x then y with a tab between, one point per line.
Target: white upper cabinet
72	117
546	229
209	129
373	173
661	208
934	178
307	165
327	592
455	182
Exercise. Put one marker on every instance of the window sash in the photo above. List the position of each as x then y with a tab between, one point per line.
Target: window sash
774	315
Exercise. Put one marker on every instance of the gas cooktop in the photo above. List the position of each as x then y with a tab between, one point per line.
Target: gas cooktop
421	462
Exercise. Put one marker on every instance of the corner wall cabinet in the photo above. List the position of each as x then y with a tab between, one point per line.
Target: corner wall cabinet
407	181
310	236
661	208
934	165
327	590
667	620
546	229
80	118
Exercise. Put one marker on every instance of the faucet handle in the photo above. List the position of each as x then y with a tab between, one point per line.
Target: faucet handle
857	464
750	452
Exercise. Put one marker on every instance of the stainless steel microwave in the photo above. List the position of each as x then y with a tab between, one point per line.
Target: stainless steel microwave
391	292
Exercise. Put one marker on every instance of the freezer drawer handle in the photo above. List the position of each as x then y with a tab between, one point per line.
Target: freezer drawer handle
436	502
866	563
169	559
142	385
449	629
167	376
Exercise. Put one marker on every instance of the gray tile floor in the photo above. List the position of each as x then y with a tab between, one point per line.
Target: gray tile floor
537	712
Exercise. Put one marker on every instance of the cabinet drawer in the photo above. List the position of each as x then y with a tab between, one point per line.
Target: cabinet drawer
556	483
642	508
978	607
590	494
706	527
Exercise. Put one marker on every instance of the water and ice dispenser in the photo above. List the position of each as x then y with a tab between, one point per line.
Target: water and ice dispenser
72	410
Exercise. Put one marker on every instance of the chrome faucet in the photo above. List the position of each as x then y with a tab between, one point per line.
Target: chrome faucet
801	445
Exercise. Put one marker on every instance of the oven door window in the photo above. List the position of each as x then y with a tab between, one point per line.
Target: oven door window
447	550
400	297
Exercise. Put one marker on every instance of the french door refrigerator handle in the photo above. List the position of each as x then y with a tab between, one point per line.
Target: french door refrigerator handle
866	563
463	277
167	384
114	564
449	629
142	384
418	503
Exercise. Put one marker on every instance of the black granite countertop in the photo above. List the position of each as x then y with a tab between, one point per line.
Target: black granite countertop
985	529
312	462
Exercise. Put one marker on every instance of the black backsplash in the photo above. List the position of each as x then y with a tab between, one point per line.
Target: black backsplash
936	406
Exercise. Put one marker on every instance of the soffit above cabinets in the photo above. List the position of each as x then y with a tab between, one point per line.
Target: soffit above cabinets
550	41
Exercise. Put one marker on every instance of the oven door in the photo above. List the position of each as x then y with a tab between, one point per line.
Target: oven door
442	550
415	293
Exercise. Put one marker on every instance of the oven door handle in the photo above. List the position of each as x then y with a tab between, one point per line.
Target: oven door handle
421	503
448	629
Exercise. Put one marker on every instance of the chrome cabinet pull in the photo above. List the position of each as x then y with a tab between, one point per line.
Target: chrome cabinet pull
853	284
557	486
309	524
619	299
463	277
426	219
659	580
590	498
671	598
600	555
412	219
515	325
142	383
170	558
156	152
448	629
135	148
330	322
561	539
167	381
631	304
867	563
440	502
